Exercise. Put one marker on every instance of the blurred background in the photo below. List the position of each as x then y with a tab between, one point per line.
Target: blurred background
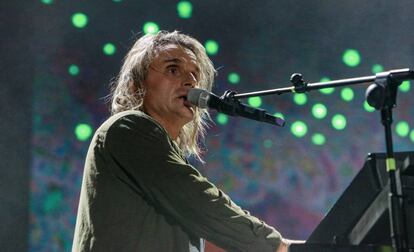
58	58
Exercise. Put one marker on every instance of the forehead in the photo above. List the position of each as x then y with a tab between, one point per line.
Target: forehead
177	53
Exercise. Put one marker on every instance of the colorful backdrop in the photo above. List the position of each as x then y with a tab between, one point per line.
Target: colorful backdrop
288	176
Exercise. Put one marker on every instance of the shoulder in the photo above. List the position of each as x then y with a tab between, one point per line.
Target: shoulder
131	120
136	127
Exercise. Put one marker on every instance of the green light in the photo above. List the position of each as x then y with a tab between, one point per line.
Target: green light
351	58
405	86
47	1
278	114
368	107
222	118
184	9
150	28
412	135
73	70
347	94
52	201
267	143
79	20
211	47
255	101
109	49
117	1
326	90
319	110
402	128
233	78
376	68
300	99
338	122
318	139
83	131
299	129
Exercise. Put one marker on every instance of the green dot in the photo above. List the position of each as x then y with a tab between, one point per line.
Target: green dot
368	107
222	118
79	20
324	79
376	68
73	70
351	57
405	86
109	49
52	201
300	99
267	143
412	135
329	90
299	129
347	94
255	101
184	9
338	122
211	47
233	78
326	90
402	128
150	28
319	110
117	1
318	139
83	131
47	1
278	114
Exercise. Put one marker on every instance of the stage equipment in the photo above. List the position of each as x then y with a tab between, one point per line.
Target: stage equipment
382	95
359	219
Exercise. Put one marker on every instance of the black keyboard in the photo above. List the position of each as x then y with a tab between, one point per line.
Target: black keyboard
337	248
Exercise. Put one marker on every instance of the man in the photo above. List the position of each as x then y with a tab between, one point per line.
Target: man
138	192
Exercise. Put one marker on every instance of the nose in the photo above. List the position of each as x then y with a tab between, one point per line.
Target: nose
190	80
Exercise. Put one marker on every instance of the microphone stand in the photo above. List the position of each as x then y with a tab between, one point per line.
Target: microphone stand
381	95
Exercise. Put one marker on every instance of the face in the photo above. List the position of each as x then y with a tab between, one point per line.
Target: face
170	76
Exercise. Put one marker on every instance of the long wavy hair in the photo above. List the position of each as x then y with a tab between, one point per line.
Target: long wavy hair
127	92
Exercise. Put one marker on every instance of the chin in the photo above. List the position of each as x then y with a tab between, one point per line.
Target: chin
189	114
189	119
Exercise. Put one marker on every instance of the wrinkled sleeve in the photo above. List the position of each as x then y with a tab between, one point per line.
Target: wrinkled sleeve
148	163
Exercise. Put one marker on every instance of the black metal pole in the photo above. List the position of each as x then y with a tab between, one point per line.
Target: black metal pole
395	203
399	74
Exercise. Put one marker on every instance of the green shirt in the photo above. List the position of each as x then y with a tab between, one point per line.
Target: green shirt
139	194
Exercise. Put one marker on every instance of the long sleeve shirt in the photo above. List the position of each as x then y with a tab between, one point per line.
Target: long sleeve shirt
140	194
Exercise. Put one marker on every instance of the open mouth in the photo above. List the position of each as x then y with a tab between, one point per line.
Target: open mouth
184	97
186	102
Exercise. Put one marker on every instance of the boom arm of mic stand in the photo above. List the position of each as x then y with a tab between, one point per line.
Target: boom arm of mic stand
398	74
241	109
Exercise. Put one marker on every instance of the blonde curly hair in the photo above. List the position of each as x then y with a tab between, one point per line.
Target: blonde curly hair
128	92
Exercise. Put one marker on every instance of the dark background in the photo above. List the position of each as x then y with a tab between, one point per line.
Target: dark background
286	180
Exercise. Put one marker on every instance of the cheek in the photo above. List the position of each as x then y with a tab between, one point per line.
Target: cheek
157	95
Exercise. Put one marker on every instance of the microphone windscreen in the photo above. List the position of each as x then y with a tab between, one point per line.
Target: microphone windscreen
198	97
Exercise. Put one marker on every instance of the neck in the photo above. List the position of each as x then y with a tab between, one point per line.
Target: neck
172	127
172	130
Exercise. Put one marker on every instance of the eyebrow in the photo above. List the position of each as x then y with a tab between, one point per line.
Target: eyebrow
177	60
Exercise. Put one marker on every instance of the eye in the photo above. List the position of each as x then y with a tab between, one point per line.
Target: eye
173	69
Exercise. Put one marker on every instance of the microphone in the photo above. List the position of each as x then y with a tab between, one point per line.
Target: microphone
226	105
